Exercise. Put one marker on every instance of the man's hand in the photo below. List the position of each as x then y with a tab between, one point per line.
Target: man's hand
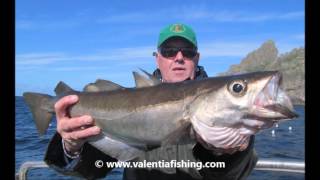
75	130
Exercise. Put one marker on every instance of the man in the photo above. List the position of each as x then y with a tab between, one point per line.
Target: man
177	60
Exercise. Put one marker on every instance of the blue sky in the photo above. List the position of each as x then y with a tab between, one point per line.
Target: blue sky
78	41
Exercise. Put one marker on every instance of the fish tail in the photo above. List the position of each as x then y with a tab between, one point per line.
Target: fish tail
41	108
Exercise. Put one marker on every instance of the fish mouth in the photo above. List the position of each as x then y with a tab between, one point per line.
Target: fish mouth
282	110
272	102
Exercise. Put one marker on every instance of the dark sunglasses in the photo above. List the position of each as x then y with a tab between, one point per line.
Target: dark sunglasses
172	52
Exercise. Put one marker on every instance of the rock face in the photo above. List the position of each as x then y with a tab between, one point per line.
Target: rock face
291	64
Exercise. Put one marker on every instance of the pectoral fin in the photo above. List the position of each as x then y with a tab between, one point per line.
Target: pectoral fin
180	136
115	148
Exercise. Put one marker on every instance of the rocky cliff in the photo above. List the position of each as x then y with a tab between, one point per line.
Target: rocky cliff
291	64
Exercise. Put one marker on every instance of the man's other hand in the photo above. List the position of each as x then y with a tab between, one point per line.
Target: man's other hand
73	130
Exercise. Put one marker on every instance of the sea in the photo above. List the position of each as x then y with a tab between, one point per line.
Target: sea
285	141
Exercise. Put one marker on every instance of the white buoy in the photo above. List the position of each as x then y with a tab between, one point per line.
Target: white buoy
273	133
290	128
277	125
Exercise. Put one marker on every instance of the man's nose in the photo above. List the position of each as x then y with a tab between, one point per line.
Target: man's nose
179	57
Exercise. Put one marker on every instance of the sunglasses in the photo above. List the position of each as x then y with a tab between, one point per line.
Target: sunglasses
172	52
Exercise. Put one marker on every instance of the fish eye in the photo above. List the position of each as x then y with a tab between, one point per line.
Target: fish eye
238	87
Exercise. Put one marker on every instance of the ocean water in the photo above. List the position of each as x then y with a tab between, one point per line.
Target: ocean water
284	144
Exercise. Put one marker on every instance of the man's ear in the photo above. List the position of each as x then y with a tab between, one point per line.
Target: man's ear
157	59
196	59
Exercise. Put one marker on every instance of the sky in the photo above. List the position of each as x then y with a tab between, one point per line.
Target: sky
78	41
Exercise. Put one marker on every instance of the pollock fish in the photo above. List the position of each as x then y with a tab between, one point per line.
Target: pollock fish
223	111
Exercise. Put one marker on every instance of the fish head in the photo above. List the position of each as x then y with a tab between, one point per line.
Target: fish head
263	96
237	107
239	97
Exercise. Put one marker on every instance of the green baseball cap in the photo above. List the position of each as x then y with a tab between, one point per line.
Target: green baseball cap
180	30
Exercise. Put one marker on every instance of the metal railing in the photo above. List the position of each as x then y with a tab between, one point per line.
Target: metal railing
25	167
280	165
262	164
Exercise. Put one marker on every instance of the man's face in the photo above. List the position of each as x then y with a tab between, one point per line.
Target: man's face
176	67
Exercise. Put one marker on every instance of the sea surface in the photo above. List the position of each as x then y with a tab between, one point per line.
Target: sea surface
283	144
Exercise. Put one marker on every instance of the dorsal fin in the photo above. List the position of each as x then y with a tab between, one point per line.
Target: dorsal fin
102	85
62	88
151	77
142	81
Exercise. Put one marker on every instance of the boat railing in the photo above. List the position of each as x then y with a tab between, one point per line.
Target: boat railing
262	164
280	165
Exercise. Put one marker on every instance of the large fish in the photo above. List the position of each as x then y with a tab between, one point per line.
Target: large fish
221	110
